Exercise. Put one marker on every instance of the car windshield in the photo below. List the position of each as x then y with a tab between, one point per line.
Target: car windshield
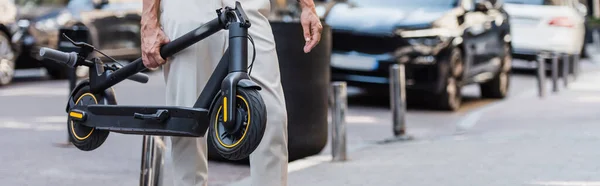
406	3
534	2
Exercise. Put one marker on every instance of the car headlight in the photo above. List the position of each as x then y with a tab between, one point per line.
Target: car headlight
430	32
444	28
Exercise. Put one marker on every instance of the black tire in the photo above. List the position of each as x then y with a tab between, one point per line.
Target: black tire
497	87
450	98
7	60
244	141
83	137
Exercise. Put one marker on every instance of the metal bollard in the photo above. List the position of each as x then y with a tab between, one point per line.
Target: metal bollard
541	75
576	66
338	109
554	72
398	99
596	38
152	161
565	71
72	83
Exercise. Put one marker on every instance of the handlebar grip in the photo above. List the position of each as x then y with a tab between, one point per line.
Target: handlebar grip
139	77
68	58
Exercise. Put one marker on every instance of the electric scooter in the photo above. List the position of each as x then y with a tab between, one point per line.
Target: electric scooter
229	107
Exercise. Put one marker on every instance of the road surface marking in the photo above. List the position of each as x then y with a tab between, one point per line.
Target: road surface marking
30	126
354	119
50	119
34	92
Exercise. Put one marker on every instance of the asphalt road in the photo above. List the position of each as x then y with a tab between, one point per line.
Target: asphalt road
32	124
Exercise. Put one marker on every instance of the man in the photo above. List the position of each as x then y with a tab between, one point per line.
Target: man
187	72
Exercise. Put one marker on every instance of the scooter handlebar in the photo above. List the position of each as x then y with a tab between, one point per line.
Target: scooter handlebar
71	58
139	77
63	57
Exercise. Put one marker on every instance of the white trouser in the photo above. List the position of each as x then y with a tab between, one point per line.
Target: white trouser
187	72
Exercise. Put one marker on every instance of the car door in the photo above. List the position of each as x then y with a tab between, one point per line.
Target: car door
495	36
477	37
116	27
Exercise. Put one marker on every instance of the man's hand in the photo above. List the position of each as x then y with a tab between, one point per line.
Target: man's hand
152	35
311	24
153	38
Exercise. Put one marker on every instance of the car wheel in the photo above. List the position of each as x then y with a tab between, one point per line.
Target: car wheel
450	98
7	60
498	86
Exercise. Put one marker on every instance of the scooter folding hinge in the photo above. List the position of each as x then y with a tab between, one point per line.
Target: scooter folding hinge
160	116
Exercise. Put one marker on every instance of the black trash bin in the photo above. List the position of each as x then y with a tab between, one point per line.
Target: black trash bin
305	80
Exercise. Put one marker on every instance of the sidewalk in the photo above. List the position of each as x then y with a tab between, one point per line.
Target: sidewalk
520	141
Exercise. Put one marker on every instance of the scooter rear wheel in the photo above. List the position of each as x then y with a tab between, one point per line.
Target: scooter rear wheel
83	137
251	115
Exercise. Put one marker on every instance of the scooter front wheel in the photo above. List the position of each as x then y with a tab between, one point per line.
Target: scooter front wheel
251	116
83	137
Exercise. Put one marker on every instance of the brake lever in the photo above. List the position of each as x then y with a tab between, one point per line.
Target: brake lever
242	15
86	48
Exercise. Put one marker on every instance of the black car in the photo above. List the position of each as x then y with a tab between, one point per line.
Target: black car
8	50
113	28
444	44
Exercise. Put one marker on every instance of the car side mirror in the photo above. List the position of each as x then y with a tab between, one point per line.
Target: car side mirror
98	4
483	6
581	8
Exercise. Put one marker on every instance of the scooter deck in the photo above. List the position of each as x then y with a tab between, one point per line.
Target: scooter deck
144	120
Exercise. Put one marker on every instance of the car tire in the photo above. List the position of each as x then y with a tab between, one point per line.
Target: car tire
7	60
497	87
450	98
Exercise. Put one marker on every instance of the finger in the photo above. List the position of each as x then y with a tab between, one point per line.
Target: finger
316	37
145	60
307	38
165	39
159	60
306	30
152	63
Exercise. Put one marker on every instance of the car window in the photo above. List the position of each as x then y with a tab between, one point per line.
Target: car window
406	3
41	2
535	2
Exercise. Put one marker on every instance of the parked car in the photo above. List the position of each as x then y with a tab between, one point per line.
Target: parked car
546	25
8	50
113	27
444	44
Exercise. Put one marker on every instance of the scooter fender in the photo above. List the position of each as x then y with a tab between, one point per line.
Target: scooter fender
244	83
247	83
71	101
